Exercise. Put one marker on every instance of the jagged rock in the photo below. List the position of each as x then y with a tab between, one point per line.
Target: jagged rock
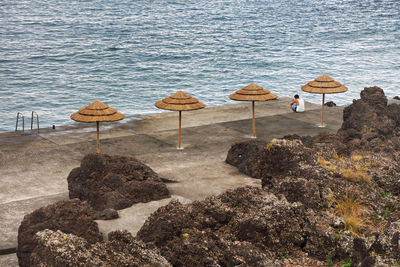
70	216
245	226
361	255
384	250
306	140
321	238
370	115
330	104
114	182
56	248
265	228
393	111
324	139
246	254
279	157
167	222
301	190
284	158
245	156
388	243
107	214
356	169
374	96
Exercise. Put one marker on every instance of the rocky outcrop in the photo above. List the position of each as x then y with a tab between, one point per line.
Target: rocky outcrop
347	183
279	157
301	190
70	216
55	248
245	156
330	104
369	123
323	199
245	227
384	250
388	242
114	182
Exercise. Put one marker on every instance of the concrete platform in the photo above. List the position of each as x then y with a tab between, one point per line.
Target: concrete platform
34	167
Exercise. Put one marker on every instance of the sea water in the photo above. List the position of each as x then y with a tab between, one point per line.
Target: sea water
57	56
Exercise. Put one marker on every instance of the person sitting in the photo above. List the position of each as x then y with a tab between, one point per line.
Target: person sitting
297	104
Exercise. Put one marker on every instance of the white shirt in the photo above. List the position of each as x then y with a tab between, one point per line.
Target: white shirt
300	106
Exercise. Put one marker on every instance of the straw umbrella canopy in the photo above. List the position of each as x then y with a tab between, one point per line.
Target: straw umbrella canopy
324	85
180	101
253	92
97	112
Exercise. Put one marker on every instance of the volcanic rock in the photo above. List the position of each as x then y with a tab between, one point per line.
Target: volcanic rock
301	190
388	243
70	216
114	182
368	116
107	214
245	226
348	185
306	140
280	157
384	251
245	156
330	104
286	158
393	111
55	248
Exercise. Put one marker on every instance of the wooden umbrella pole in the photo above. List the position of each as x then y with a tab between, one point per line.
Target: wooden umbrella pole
98	137
254	121
180	131
322	110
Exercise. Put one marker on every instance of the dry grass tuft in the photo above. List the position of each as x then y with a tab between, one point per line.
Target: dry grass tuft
326	164
373	164
354	168
323	162
357	157
355	175
360	167
331	168
352	212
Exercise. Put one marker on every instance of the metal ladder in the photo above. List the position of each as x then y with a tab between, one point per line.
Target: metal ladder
19	114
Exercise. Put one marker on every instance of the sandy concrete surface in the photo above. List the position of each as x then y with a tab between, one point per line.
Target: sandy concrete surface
34	167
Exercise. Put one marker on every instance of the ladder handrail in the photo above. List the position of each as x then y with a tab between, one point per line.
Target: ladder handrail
23	122
37	121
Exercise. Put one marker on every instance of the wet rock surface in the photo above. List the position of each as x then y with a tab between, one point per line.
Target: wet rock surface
114	182
70	216
55	248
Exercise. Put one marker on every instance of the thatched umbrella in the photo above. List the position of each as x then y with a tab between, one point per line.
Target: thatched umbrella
180	101
252	92
324	85
97	112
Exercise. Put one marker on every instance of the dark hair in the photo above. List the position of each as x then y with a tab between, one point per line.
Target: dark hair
296	96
